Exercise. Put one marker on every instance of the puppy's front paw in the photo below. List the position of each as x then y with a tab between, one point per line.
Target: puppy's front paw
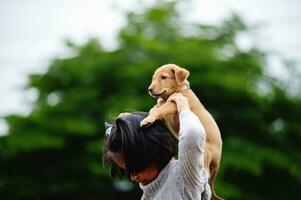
148	121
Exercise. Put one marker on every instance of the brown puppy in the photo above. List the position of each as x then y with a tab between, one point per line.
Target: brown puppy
169	79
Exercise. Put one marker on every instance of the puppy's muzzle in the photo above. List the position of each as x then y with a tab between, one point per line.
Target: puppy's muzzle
156	95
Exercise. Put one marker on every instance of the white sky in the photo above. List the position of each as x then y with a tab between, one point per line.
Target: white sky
32	32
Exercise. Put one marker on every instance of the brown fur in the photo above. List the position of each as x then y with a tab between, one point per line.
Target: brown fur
169	79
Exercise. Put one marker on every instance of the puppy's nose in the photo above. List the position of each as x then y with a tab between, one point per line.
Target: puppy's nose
150	90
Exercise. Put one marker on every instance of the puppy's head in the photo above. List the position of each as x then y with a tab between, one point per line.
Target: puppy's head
167	80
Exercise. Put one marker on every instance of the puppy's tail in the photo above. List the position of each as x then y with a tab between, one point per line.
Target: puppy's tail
214	195
211	183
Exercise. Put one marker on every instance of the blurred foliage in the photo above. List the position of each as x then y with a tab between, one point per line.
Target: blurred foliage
55	151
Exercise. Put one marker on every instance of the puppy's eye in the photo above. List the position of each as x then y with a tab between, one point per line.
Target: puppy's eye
163	77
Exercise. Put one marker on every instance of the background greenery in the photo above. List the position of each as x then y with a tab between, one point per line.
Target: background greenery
55	151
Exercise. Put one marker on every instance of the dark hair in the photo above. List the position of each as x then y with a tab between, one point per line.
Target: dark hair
140	146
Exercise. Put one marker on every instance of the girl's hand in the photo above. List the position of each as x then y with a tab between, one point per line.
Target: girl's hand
180	100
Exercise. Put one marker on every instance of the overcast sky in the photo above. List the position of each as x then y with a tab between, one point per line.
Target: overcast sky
32	32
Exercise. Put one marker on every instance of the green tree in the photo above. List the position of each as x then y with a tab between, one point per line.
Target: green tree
55	151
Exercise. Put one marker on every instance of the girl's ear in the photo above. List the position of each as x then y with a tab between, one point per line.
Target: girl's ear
181	74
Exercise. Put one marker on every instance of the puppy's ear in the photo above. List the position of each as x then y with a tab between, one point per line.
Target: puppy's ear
181	74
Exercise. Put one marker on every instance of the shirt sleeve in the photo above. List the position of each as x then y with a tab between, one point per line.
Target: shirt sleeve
192	138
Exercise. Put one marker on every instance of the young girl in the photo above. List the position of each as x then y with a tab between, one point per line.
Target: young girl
146	155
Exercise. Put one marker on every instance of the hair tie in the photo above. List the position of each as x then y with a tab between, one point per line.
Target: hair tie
108	128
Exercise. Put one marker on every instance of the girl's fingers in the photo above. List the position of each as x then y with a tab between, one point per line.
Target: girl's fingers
174	97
